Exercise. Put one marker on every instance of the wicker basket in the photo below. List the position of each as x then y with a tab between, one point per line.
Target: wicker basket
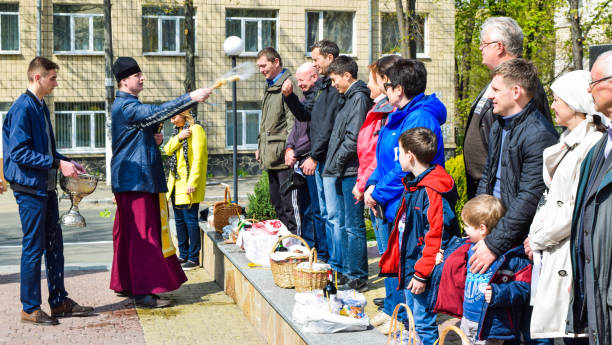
282	271
395	333
222	210
308	279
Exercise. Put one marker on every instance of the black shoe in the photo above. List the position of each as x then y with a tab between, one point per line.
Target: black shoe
189	265
341	280
182	261
151	301
360	285
124	294
379	301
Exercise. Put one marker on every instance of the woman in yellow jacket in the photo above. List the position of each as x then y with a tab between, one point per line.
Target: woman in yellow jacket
188	156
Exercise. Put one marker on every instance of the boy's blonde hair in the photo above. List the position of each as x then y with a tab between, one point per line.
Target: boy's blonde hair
483	209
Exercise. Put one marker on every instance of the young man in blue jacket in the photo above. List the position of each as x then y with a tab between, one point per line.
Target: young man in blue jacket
424	222
349	253
31	164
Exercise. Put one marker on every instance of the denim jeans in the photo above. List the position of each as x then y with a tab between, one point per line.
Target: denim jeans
42	236
393	296
349	235
327	225
313	218
187	231
425	322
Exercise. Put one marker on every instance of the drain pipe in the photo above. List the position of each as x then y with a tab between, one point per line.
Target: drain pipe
38	30
370	57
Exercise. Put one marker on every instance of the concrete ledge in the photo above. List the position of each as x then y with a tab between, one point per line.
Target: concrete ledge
265	305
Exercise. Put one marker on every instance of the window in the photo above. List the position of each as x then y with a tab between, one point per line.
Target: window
9	28
162	31
4	108
257	28
80	127
78	29
249	115
334	26
390	36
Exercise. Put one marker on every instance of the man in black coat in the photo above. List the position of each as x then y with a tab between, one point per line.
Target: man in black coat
513	172
501	39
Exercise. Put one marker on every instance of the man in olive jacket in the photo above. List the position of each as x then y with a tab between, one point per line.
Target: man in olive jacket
276	122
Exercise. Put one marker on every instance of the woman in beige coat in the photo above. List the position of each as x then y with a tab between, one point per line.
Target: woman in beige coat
549	235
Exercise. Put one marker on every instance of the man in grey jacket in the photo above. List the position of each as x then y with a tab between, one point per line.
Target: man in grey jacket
501	39
276	122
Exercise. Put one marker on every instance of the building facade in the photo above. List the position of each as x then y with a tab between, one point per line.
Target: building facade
72	34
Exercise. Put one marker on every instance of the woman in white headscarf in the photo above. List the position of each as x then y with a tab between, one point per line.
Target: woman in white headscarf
548	239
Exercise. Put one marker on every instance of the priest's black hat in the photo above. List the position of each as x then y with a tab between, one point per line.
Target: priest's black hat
125	67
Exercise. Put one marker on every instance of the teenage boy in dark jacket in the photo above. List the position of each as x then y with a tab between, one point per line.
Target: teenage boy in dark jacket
340	175
424	221
321	117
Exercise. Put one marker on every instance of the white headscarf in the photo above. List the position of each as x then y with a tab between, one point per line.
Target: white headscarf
572	89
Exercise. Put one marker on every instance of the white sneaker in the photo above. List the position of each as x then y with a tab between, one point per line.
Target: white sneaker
380	318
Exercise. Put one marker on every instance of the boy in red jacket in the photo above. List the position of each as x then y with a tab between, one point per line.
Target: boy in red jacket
424	221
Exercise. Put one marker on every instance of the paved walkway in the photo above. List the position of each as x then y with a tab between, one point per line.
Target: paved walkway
202	314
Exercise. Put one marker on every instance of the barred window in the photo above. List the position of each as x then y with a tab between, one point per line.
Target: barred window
9	28
162	31
78	29
390	36
249	115
80	127
257	28
332	25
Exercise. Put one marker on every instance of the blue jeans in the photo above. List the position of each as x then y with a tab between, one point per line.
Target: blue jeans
349	234
314	224
187	231
393	296
424	322
42	235
327	225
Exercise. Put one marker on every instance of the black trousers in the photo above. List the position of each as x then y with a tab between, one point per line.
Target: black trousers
285	202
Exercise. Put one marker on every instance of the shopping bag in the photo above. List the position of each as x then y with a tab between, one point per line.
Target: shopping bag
315	314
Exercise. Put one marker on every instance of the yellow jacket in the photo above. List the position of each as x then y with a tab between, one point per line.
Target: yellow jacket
198	160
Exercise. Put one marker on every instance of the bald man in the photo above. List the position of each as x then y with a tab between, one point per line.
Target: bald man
591	224
297	151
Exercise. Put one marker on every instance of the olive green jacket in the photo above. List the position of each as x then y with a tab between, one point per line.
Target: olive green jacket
276	122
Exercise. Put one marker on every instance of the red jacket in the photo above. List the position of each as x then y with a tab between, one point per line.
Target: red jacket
367	139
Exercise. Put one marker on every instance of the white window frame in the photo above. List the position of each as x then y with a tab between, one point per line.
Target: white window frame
259	20
177	36
241	114
92	136
425	53
18	51
320	30
72	50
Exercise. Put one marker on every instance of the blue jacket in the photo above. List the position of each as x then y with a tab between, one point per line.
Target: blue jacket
510	284
136	165
428	205
26	145
422	111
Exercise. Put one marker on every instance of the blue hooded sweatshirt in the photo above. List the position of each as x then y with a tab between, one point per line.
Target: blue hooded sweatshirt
422	111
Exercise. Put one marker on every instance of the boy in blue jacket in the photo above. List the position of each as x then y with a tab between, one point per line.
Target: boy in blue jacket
424	220
490	304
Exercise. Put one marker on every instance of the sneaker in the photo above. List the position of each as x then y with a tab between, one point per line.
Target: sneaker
380	318
189	265
360	285
182	261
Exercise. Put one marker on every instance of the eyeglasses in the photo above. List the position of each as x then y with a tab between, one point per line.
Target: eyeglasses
387	85
484	44
594	82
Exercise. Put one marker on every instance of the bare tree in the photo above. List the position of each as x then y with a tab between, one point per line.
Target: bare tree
406	21
190	83
580	29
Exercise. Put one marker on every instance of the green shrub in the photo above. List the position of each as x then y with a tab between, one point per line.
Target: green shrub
456	169
259	206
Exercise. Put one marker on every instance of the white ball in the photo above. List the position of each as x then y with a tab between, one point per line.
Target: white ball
233	46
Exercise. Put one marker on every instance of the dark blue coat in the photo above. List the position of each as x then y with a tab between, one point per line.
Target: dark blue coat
510	284
428	203
136	165
26	145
